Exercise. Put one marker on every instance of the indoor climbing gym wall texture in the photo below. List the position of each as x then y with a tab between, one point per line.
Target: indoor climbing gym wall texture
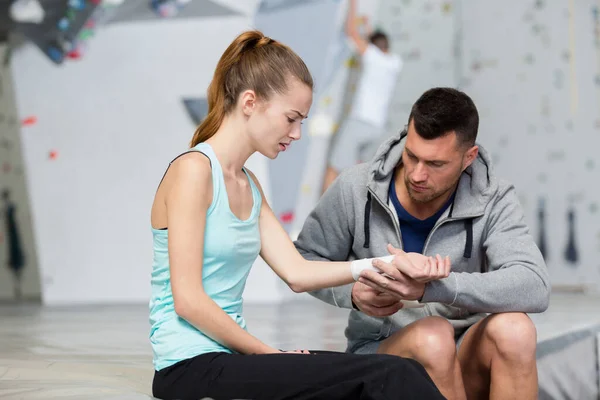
111	115
336	82
523	62
424	34
286	20
532	68
525	65
19	277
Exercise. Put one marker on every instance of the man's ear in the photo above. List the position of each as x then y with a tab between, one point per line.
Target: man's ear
470	156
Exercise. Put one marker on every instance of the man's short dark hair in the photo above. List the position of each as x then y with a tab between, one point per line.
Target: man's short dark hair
442	110
379	39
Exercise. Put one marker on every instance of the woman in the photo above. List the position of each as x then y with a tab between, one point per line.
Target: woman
210	221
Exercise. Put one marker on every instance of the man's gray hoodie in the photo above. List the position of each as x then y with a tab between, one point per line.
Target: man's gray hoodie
495	263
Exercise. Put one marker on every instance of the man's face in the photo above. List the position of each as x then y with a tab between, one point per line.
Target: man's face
432	168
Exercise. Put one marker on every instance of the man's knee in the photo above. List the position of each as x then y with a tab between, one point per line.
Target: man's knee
434	340
432	343
513	335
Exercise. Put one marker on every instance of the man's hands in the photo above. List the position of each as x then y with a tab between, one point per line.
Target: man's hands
380	295
374	302
414	265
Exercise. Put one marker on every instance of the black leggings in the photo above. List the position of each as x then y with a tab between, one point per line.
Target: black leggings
321	375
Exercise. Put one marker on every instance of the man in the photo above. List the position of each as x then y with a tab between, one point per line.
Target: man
368	116
432	190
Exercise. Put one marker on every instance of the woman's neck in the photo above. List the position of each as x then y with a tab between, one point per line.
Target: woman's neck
231	145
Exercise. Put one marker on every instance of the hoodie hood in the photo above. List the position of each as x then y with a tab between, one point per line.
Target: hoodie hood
476	186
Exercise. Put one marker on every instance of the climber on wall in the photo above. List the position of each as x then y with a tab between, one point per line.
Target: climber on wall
369	112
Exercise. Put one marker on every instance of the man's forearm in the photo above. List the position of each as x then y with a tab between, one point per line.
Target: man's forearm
513	289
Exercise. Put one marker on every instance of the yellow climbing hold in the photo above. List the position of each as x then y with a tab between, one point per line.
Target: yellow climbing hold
351	62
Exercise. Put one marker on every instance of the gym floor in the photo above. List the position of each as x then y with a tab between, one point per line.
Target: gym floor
103	352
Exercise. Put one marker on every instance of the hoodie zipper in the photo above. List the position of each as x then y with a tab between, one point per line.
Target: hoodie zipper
387	209
435	227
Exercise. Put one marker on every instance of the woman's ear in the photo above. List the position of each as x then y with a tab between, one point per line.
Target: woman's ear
248	101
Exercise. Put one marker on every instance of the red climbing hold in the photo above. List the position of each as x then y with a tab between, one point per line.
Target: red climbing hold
29	121
53	155
75	54
287	217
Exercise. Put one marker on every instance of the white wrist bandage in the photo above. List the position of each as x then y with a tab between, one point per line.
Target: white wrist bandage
357	266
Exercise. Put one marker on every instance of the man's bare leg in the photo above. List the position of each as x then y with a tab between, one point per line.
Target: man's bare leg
497	358
430	341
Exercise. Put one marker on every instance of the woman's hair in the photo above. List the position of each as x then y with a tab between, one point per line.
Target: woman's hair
252	61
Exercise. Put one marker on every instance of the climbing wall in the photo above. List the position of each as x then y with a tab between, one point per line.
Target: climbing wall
537	86
533	69
424	34
16	237
286	20
108	123
331	105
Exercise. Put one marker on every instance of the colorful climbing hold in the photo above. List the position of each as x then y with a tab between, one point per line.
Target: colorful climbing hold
53	155
85	34
447	8
55	54
77	4
31	120
63	24
74	54
287	217
351	62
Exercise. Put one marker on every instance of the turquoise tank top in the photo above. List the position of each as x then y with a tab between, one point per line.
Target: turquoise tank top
231	246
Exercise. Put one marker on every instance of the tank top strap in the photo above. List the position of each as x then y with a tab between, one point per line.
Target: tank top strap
256	196
217	174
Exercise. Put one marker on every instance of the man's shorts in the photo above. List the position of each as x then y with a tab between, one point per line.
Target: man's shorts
370	347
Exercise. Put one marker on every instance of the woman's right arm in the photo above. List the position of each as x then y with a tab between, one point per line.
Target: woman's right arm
187	202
